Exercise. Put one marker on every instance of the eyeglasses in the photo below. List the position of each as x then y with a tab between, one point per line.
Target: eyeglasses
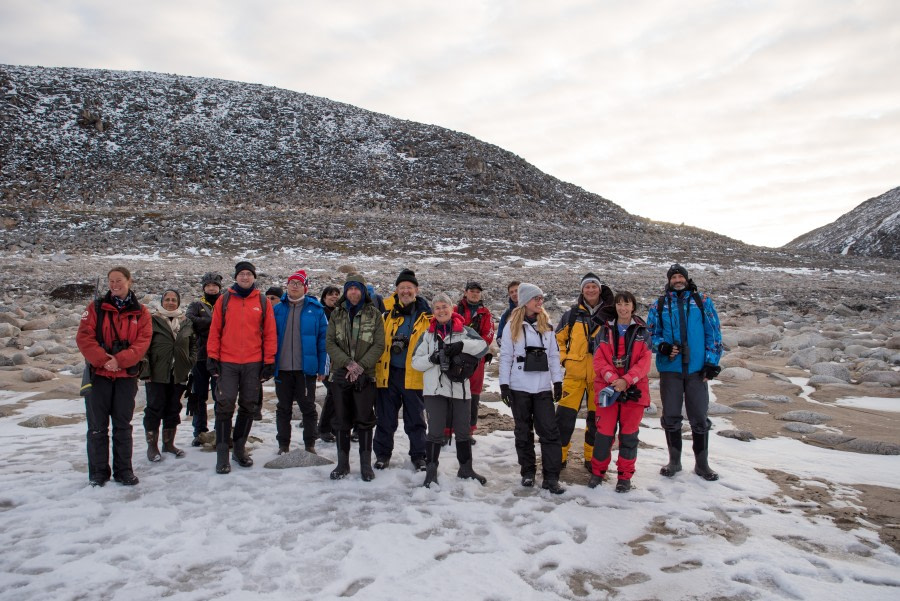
295	284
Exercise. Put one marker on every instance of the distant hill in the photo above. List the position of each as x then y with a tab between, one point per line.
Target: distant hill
871	230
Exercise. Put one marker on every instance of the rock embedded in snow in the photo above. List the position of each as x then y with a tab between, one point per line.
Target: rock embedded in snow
830	438
297	458
800	428
806	417
872	447
717	409
742	435
36	374
749	404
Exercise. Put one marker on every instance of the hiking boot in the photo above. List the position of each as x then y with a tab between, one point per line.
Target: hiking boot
595	481
528	480
327	437
587	466
553	486
196	442
381	463
99	481
153	454
311	448
418	464
239	453
169	443
126	478
623	485
284	448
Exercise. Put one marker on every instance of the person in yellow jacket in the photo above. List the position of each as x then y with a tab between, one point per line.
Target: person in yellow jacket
406	318
574	334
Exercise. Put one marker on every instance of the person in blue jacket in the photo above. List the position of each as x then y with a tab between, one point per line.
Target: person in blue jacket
687	339
300	360
512	290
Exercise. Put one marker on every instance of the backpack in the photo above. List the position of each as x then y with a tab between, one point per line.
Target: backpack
462	366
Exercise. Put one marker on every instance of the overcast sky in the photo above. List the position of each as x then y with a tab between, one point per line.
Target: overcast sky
757	119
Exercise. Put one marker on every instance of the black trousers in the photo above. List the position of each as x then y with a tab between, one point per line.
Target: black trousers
201	388
291	387
676	390
163	405
536	411
354	406
443	410
238	387
110	399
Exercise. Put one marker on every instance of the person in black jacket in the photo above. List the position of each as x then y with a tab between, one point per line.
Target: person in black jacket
200	314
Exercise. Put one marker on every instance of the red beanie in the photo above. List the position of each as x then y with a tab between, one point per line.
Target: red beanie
301	276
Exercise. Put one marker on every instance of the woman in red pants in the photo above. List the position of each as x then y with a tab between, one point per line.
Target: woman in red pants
621	362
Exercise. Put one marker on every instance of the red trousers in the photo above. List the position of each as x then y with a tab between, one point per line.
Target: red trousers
627	418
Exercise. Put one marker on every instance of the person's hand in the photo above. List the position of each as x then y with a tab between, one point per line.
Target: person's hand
267	371
213	367
320	378
454	348
619	385
709	372
557	391
354	370
435	357
505	394
111	363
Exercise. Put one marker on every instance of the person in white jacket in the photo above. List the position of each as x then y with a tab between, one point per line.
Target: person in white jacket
530	383
446	336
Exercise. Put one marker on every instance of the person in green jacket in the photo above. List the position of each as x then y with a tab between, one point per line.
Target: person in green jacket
172	353
355	342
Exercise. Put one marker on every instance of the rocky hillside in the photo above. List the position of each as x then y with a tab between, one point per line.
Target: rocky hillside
871	230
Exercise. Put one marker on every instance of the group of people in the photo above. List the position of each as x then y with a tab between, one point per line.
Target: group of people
378	357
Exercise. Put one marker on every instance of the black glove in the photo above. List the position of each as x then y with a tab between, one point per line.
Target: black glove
709	372
267	371
488	358
435	357
213	366
665	348
454	348
505	394
557	391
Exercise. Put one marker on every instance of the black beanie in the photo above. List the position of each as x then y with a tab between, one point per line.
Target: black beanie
676	268
244	265
407	275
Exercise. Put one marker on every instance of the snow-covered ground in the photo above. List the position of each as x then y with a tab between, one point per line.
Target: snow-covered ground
187	533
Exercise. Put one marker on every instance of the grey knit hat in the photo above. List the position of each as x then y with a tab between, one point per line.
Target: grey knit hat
528	292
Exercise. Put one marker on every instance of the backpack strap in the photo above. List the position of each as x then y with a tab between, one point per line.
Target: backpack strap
573	317
99	321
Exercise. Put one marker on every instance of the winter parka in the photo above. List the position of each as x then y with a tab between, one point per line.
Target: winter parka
132	324
483	323
574	352
170	355
633	348
704	334
435	383
511	369
392	321
313	328
366	342
248	336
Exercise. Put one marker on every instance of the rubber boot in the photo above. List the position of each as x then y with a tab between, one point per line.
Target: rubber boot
673	440
342	440
365	455
242	427
432	452
595	481
169	443
553	486
701	457
153	445
223	434
464	456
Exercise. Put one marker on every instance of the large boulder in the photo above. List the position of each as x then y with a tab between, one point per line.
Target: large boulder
739	374
42	323
883	377
297	458
834	370
804	417
806	358
805	340
36	374
8	330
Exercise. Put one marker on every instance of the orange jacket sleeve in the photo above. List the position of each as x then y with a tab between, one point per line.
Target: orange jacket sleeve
214	341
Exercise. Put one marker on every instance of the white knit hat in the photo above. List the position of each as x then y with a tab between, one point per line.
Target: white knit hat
528	292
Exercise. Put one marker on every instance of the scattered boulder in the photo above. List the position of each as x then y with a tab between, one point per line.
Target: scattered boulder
717	409
820	380
297	458
36	374
36	351
893	343
834	370
6	361
857	350
736	373
872	447
73	292
10	319
49	421
63	322
806	417
892	378
800	341
19	359
832	439
800	428
749	404
41	323
772	398
742	435
8	330
808	357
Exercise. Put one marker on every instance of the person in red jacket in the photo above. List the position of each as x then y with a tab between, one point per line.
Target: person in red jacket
621	362
241	350
114	347
478	317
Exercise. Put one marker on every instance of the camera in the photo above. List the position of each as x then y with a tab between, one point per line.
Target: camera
444	359
399	344
117	346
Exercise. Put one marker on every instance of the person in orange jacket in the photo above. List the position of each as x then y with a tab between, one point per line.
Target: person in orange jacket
113	347
241	348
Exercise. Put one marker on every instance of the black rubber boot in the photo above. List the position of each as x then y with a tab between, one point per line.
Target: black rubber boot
432	452
701	457
623	485
223	434
595	481
464	456
152	437
365	455
242	427
342	440
169	443
673	440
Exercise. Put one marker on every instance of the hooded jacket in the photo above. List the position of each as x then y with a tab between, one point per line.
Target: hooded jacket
574	351
704	334
364	342
132	324
170	357
313	329
634	348
434	382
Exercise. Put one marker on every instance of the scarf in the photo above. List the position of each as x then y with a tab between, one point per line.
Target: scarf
174	319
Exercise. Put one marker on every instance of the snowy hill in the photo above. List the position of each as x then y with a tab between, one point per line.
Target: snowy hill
872	230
